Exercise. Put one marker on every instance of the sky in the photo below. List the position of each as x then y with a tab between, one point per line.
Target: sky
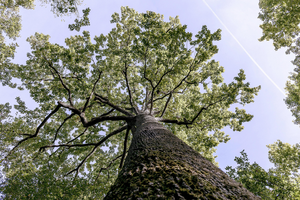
239	48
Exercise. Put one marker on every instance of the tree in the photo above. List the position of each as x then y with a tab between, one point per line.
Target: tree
281	182
139	84
281	20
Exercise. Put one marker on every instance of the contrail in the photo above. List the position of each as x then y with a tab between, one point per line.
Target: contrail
244	48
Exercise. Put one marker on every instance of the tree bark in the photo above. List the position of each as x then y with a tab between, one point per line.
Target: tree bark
161	166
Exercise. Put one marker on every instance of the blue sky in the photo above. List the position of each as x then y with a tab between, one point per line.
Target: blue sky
272	120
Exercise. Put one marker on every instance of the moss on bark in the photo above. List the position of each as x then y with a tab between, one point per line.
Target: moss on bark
161	166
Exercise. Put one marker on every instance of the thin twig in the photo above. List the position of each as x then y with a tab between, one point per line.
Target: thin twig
88	99
78	135
61	80
106	168
66	119
95	147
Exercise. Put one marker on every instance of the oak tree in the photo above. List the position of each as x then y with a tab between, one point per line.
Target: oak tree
111	113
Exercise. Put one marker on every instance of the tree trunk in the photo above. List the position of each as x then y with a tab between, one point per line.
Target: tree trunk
161	166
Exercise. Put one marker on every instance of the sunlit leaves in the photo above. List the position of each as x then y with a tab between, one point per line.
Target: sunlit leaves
281	21
10	26
141	65
281	182
82	22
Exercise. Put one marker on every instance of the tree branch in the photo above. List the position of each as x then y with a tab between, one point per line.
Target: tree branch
74	110
61	80
166	105
125	147
66	145
66	119
153	89
95	147
168	93
173	90
107	113
36	132
145	68
88	99
95	120
109	165
185	122
145	106
106	118
78	135
135	109
106	101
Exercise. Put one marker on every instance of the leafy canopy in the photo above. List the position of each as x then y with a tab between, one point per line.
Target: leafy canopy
10	27
281	19
89	92
281	182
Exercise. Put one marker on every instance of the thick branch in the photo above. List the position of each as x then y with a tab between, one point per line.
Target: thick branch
37	130
166	105
106	118
185	122
106	101
66	145
125	147
95	120
145	106
129	90
153	90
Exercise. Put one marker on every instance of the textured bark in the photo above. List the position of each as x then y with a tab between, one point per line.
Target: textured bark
161	166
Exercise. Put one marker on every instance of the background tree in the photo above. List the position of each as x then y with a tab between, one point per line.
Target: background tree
92	95
281	20
281	182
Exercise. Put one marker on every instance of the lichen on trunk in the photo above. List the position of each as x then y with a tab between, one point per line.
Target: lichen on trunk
161	166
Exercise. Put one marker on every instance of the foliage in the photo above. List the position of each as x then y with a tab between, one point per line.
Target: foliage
281	20
281	182
89	92
63	7
10	26
281	23
85	21
293	85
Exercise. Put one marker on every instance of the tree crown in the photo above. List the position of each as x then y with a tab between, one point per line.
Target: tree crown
89	92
